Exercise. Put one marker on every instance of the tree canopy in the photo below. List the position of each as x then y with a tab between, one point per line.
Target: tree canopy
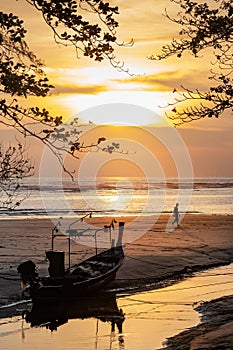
22	75
90	27
203	26
71	27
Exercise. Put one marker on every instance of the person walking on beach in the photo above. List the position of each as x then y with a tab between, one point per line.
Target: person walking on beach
176	214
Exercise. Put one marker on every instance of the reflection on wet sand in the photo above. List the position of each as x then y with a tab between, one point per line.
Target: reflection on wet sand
97	323
54	313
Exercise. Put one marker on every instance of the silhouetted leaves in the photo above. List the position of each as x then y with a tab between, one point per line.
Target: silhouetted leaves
21	73
14	166
204	26
93	40
100	139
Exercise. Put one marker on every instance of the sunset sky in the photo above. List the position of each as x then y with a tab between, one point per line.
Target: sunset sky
82	85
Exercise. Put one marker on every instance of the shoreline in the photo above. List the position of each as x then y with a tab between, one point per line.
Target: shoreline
155	260
156	257
8	217
214	332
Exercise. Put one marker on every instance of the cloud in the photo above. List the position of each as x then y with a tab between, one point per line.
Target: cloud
168	80
81	89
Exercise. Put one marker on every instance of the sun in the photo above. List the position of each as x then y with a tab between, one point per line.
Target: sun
105	98
120	114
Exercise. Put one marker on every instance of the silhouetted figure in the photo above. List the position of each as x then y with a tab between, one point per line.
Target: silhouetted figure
176	214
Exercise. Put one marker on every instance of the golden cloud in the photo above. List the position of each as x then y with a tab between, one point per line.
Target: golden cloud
80	89
168	80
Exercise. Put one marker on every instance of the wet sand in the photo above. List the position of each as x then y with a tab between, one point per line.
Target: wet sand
156	258
213	333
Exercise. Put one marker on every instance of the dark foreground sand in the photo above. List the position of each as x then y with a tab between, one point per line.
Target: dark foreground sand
215	332
156	258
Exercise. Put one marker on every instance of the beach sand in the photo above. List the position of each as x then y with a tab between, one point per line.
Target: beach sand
215	332
155	258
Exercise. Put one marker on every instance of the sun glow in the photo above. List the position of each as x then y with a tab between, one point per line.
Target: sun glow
99	87
121	108
126	114
118	202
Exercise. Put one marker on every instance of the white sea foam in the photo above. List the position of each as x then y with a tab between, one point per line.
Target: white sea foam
123	196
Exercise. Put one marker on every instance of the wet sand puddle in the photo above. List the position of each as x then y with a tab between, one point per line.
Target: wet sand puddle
149	318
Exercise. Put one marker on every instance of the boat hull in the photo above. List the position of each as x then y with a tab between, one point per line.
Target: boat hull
71	285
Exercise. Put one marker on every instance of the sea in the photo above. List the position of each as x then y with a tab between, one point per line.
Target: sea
150	317
121	196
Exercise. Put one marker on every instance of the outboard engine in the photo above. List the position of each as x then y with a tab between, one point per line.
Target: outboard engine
27	272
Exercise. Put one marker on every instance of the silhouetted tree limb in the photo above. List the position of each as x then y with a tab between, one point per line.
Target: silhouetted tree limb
71	28
14	166
22	75
203	27
217	105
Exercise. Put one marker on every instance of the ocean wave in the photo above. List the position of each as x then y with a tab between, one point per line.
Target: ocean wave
135	186
114	197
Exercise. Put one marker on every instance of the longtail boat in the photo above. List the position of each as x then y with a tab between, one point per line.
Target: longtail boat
82	279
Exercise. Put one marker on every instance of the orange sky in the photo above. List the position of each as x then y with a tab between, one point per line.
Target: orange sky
83	85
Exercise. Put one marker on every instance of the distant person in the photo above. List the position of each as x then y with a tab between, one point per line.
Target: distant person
176	214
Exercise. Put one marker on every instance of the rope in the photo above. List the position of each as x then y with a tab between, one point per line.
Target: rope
144	261
10	279
192	287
